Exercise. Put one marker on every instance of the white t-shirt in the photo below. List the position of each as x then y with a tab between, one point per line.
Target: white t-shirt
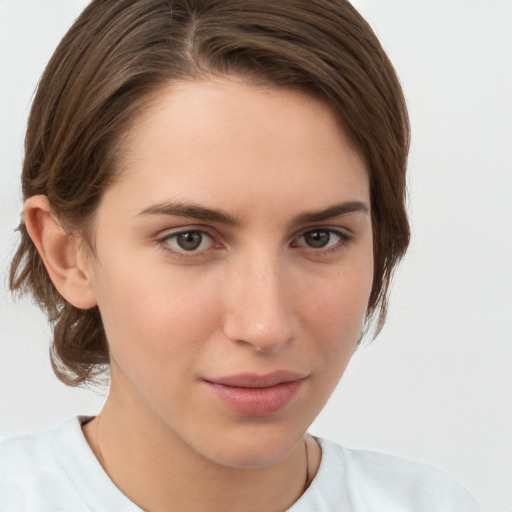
57	471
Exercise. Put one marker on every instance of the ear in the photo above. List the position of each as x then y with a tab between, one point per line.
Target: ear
63	257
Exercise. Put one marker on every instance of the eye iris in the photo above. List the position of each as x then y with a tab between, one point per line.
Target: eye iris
190	240
317	239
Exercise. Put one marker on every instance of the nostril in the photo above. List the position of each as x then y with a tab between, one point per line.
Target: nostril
261	335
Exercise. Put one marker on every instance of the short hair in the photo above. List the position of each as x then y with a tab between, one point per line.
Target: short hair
119	53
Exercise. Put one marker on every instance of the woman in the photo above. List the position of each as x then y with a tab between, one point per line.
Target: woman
214	206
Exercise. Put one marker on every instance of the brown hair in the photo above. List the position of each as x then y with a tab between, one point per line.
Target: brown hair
119	52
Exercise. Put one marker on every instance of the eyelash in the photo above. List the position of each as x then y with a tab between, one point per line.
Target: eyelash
343	240
165	244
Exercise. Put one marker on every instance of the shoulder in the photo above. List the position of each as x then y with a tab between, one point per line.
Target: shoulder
398	484
31	473
36	450
21	454
56	470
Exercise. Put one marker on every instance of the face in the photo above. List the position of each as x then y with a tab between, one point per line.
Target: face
233	267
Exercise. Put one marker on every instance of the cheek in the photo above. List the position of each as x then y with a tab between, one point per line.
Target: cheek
149	316
334	311
342	300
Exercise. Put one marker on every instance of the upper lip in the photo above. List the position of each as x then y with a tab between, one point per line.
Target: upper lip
253	380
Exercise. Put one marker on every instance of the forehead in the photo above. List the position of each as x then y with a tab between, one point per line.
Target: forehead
224	139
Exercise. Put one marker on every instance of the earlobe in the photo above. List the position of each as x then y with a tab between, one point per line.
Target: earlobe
60	253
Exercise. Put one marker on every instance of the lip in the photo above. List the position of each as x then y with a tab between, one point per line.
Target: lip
256	395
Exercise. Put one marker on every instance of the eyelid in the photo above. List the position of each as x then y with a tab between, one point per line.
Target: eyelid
344	238
341	231
163	238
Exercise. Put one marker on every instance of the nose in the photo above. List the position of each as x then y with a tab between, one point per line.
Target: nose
260	309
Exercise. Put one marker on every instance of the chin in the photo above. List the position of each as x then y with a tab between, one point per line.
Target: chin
254	448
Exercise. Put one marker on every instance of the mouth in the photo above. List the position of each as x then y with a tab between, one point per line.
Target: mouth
256	395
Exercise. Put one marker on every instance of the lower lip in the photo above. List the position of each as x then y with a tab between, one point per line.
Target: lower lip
256	401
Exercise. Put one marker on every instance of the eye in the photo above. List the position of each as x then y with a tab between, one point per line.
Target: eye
189	241
321	238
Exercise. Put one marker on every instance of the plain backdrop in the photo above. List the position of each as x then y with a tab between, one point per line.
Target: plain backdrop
436	385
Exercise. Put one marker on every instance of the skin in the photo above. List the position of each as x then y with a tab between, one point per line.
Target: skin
255	296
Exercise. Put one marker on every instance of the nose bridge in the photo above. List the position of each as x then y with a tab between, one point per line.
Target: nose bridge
259	311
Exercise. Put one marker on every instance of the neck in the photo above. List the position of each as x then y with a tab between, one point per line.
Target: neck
154	468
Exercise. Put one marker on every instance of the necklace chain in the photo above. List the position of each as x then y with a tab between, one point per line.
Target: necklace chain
104	464
102	459
306	483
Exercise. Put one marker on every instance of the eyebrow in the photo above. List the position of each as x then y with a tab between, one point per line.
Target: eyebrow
336	210
193	211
